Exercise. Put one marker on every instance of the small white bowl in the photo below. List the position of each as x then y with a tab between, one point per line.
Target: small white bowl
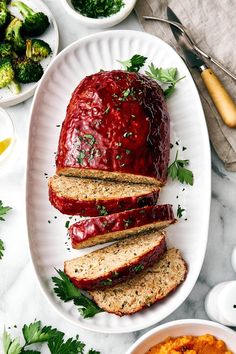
182	328
104	22
6	131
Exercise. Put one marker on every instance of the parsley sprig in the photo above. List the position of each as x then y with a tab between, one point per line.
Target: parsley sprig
133	64
180	211
2	248
165	76
3	211
178	171
66	291
35	333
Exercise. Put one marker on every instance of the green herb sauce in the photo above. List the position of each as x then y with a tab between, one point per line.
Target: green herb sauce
98	8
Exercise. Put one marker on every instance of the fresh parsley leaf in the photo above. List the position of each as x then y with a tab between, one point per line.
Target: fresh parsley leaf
87	308
177	170
134	64
138	268
33	333
57	345
64	288
169	91
3	210
180	211
66	291
1	248
10	346
165	76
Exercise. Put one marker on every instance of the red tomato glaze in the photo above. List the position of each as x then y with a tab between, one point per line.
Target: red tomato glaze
116	121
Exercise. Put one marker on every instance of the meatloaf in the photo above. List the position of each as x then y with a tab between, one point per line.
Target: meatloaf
150	286
87	197
115	263
93	231
117	128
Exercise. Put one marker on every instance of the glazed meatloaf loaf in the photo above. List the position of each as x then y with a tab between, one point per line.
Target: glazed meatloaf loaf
87	197
146	288
117	262
116	128
93	231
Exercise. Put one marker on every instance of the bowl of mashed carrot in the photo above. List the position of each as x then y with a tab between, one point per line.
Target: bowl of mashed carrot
187	336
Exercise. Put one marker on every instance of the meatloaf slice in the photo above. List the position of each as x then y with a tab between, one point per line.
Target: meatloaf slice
117	128
117	262
150	286
109	228
87	197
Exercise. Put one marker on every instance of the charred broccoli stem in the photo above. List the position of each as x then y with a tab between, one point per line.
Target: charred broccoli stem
6	50
27	71
13	35
37	49
7	76
5	16
35	23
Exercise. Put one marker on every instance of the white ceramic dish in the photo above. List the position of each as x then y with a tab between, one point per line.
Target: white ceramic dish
51	36
6	131
181	328
105	22
188	128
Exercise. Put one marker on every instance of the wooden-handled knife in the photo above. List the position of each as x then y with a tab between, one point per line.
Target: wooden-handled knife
219	95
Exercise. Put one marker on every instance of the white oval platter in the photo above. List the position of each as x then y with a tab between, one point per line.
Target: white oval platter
51	36
46	226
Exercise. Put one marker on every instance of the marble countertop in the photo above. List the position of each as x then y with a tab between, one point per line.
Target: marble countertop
21	300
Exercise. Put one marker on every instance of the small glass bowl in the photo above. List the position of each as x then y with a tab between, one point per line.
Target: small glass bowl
6	131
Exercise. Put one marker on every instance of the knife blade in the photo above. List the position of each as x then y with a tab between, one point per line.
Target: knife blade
223	101
192	59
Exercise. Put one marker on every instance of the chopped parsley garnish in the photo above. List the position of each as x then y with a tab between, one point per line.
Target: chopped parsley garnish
80	157
180	211
118	157
178	171
138	268
128	222
126	93
165	76
102	210
127	134
66	291
106	282
3	210
34	333
107	110
127	151
90	138
134	64
1	248
97	9
67	224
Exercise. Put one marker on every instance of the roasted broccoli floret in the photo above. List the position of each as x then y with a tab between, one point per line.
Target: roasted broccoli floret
7	76
27	71
6	50
13	35
35	23
37	49
5	15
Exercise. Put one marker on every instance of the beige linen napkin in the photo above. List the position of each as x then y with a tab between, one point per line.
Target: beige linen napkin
212	24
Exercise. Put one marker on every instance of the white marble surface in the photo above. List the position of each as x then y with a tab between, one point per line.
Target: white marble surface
20	298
